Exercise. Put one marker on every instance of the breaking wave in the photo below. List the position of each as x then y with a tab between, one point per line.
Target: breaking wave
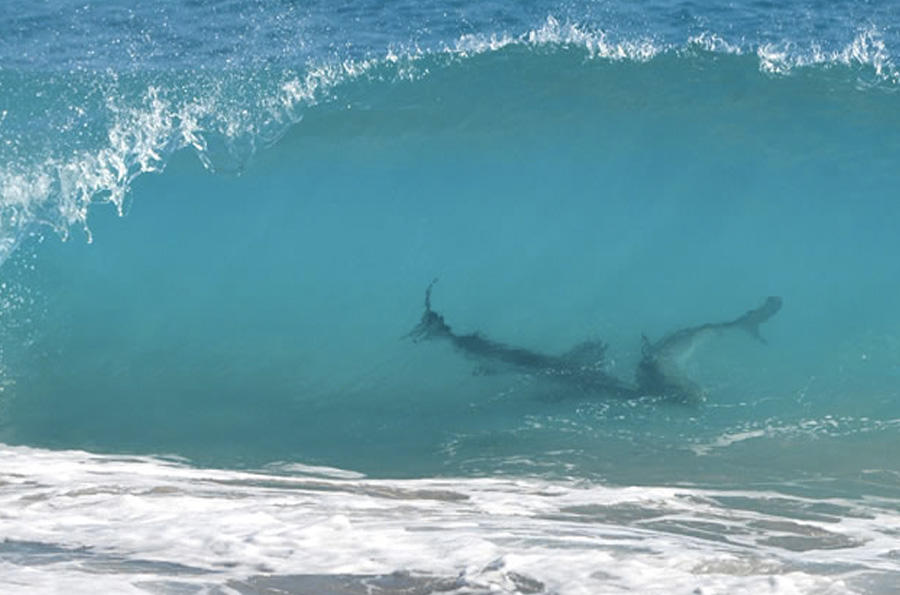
90	134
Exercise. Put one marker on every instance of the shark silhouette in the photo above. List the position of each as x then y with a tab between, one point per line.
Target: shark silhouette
659	372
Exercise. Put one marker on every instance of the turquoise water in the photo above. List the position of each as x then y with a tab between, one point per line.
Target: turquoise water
215	255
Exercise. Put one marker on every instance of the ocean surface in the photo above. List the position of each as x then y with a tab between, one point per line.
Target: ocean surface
218	221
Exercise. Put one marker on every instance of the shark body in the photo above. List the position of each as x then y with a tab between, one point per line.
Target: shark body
657	374
660	370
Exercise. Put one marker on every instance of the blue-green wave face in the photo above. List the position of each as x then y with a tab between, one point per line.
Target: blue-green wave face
591	174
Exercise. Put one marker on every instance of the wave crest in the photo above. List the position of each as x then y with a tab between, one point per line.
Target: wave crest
867	50
552	33
226	117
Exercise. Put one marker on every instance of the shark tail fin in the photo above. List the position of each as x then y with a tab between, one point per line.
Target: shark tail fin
751	321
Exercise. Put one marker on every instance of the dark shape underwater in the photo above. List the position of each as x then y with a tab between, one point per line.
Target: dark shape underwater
658	374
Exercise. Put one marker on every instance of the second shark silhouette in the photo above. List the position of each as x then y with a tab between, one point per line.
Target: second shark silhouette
658	373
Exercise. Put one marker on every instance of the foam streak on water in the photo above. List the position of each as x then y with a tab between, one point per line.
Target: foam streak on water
81	523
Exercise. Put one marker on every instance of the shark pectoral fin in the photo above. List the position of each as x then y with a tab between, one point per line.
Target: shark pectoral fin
646	345
588	353
753	331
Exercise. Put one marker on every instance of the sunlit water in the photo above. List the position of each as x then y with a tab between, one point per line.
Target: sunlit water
291	179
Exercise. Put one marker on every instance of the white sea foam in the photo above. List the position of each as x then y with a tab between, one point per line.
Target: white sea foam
812	428
596	42
76	522
712	42
867	49
58	189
